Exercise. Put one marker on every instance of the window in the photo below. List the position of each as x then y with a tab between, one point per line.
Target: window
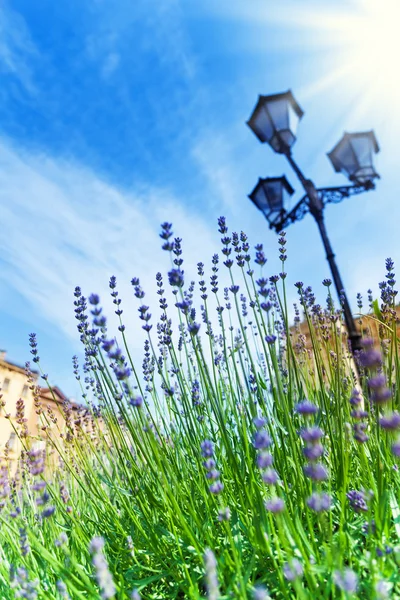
24	392
6	384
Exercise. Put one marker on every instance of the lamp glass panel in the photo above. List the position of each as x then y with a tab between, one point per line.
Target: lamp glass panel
274	195
347	158
260	199
278	110
362	149
263	125
293	120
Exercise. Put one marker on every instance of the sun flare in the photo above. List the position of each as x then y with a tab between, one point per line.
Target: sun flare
365	40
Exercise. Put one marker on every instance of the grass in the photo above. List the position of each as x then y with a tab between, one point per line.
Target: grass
242	459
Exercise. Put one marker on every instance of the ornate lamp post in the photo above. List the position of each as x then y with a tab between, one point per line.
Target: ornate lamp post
274	120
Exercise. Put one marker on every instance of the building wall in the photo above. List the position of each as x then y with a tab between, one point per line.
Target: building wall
14	386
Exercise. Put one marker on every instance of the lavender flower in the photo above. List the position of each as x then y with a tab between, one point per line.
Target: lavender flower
313	452
103	576
315	471
390	422
175	278
216	487
261	440
224	514
24	588
62	590
319	502
357	500
207	448
270	477
211	575
264	460
311	435
346	580
275	505
382	589
396	448
260	593
293	570
306	408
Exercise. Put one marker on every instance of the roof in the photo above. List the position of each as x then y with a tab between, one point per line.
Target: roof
14	367
54	394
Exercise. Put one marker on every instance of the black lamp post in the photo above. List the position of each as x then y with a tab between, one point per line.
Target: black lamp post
274	120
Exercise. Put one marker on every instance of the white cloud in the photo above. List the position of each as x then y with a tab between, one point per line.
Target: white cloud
63	226
16	47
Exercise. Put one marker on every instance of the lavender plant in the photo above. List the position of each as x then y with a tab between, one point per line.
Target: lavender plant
243	458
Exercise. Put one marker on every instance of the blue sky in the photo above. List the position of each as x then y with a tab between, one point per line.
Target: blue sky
117	116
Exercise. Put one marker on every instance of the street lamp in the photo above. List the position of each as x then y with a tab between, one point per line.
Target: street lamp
274	120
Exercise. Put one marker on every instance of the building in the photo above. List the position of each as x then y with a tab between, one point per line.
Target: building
28	409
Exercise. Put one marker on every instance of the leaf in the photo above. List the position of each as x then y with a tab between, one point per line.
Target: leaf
377	310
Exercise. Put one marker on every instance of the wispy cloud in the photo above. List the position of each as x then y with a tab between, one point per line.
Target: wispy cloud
68	227
17	48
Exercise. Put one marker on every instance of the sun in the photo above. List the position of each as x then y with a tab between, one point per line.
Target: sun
371	40
364	36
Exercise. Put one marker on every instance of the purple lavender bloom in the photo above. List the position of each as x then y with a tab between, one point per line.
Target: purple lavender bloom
275	505
315	471
270	339
359	414
23	542
213	474
222	227
266	306
261	440
224	514
357	500
216	487
175	278
370	358
326	282
383	589
377	382
260	593
137	401
390	422
293	570
193	328
259	422
306	408
396	448
211	575
313	452
61	540
356	398
311	435
270	477
319	502
48	512
346	580
264	460
103	575
209	464
359	432
207	449
381	395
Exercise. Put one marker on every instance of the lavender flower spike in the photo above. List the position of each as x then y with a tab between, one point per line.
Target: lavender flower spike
103	576
211	575
346	580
